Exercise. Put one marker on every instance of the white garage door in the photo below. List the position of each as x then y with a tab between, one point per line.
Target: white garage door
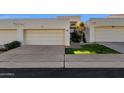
44	37
7	36
109	35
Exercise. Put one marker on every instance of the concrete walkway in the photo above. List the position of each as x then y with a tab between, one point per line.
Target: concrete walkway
75	45
118	46
95	61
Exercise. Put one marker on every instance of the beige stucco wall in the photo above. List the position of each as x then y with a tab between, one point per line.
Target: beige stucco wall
106	22
97	22
34	23
21	24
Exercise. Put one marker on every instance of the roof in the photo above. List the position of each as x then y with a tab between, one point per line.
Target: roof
116	16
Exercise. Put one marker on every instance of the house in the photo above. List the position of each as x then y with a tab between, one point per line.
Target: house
109	29
52	31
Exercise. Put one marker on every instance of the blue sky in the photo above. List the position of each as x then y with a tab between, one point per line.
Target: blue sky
84	17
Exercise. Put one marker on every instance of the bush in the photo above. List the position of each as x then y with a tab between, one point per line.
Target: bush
12	45
3	49
75	37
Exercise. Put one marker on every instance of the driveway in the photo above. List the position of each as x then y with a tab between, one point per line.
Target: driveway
33	56
118	46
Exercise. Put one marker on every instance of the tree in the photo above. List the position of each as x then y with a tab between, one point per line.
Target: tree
80	28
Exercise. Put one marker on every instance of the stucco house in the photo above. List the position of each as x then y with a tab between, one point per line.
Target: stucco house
109	29
56	31
52	31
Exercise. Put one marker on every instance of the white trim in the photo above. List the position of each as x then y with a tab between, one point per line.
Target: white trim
91	34
67	37
20	35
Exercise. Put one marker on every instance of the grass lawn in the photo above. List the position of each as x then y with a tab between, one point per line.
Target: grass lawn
91	49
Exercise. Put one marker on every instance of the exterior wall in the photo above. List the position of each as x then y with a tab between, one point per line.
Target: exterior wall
87	32
22	24
20	35
102	22
67	37
34	23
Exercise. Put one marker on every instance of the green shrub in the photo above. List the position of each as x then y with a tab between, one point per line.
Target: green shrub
12	45
75	37
3	49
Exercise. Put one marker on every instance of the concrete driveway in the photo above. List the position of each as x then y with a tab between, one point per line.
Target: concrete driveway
118	46
33	56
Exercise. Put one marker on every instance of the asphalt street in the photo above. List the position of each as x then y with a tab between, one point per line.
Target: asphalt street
61	73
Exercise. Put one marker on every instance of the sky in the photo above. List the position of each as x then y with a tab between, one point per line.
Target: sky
84	17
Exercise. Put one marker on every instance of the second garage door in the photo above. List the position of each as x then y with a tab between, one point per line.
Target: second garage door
44	37
109	35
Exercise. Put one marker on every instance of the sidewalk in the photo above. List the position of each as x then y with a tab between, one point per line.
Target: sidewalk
75	45
95	61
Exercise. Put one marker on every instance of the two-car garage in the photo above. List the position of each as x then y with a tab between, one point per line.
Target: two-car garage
109	34
44	37
105	30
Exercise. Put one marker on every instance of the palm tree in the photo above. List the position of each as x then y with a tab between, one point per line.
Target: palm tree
80	28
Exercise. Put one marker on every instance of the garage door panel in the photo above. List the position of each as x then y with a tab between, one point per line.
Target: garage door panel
109	35
44	37
7	36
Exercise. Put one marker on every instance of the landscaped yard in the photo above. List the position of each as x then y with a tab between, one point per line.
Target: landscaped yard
91	49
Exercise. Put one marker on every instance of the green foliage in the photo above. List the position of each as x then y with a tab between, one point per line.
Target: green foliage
80	33
82	24
12	45
84	52
75	37
91	49
3	49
